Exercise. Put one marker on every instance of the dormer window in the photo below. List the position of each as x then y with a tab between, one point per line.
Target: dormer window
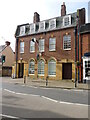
32	28
27	28
42	26
52	24
67	20
22	30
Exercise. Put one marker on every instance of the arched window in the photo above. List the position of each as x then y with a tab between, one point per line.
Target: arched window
41	67
52	67
31	67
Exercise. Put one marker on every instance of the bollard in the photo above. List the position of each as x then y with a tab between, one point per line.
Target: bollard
47	81
24	79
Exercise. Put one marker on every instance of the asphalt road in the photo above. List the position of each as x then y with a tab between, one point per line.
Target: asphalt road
72	96
22	102
23	106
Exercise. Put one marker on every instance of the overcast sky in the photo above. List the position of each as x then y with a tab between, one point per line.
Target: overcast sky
16	12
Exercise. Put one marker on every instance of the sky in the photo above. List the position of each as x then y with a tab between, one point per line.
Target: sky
17	12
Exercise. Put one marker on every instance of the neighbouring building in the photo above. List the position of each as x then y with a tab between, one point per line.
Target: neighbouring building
50	47
6	67
85	52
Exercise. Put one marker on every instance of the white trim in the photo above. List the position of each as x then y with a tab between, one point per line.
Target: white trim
41	50
22	30
21	46
40	28
50	23
32	26
67	16
32	46
64	41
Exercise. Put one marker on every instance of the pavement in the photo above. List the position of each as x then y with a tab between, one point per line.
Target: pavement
63	84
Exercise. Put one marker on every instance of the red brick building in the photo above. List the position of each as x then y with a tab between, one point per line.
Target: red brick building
49	47
9	56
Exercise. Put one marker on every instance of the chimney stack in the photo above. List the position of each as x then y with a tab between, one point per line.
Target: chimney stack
63	9
36	17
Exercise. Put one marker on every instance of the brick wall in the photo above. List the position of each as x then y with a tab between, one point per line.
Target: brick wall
58	54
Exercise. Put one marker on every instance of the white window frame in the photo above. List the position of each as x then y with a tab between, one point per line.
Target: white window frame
67	23
53	62
66	42
41	46
22	30
51	44
52	24
42	26
32	46
22	47
41	68
32	67
32	28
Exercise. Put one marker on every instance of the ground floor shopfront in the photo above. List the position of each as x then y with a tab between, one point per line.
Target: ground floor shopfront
55	70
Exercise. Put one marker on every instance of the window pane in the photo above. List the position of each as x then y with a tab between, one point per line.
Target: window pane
31	67
52	44
67	42
22	30
32	46
41	67
21	47
41	45
52	67
52	24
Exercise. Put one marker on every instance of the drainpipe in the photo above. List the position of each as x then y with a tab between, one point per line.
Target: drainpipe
16	55
75	56
78	48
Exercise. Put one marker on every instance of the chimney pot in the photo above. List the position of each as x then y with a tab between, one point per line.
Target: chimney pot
7	43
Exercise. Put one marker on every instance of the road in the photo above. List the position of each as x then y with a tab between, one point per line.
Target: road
23	102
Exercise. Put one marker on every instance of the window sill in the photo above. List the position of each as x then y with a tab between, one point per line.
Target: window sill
67	49
32	51
21	52
52	75
52	50
40	75
32	74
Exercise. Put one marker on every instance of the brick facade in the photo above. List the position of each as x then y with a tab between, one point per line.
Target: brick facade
64	58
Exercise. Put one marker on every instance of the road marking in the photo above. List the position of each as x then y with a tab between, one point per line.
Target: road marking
32	86
49	99
8	116
21	93
9	91
62	102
